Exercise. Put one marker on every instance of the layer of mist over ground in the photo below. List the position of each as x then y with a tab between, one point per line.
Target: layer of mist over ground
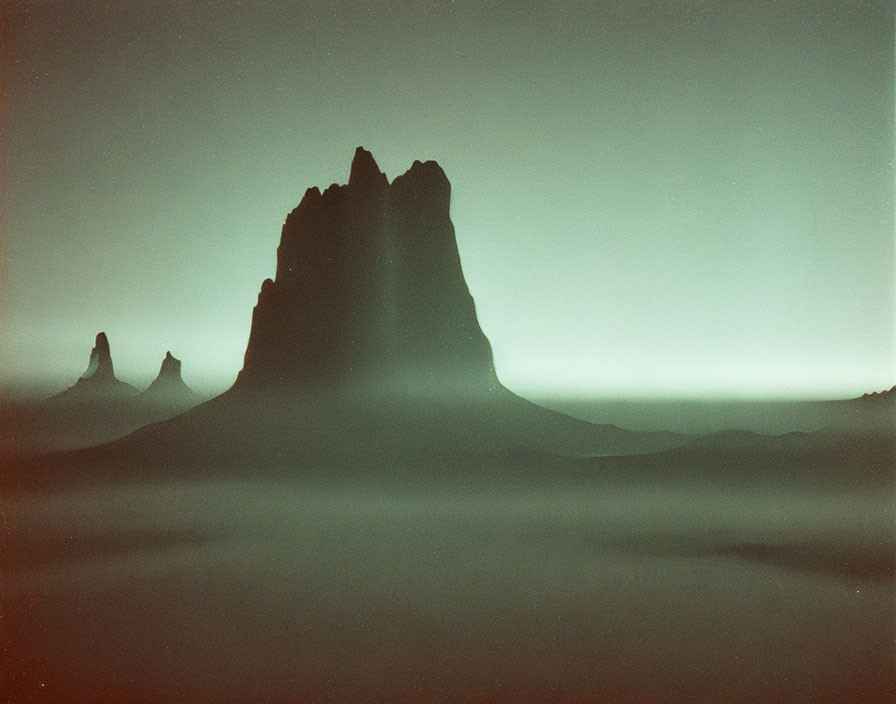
313	590
702	415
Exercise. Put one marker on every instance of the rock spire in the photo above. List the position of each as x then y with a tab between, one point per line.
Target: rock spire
100	365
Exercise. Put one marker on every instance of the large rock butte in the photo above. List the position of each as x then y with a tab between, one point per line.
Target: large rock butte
369	294
367	340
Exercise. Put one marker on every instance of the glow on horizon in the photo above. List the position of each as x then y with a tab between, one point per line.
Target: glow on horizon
649	200
212	360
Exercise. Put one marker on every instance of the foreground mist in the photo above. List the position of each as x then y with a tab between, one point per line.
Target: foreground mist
307	590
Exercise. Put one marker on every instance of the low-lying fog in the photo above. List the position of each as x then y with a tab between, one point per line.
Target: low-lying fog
702	416
308	591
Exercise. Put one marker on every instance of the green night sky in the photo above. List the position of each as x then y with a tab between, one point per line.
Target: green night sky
651	198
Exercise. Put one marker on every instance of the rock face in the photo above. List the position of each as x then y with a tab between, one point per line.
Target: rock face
888	396
99	368
168	386
98	382
369	292
874	413
97	409
369	338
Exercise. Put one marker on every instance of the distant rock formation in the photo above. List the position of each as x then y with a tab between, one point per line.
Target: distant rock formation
98	382
168	386
369	293
873	413
98	408
889	396
100	365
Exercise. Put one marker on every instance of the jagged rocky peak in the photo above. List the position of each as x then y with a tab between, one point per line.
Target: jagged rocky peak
886	395
369	290
100	365
170	368
365	171
98	382
425	187
169	376
168	384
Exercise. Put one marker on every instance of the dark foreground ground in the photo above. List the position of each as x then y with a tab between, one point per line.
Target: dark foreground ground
291	590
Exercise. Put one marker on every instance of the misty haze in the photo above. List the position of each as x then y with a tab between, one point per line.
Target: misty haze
310	591
368	514
608	416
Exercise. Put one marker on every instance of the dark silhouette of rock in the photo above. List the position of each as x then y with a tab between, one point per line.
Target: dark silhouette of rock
98	382
365	170
888	396
368	335
168	386
873	413
98	408
369	292
100	365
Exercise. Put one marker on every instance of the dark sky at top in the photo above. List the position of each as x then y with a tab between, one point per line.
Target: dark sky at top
657	198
